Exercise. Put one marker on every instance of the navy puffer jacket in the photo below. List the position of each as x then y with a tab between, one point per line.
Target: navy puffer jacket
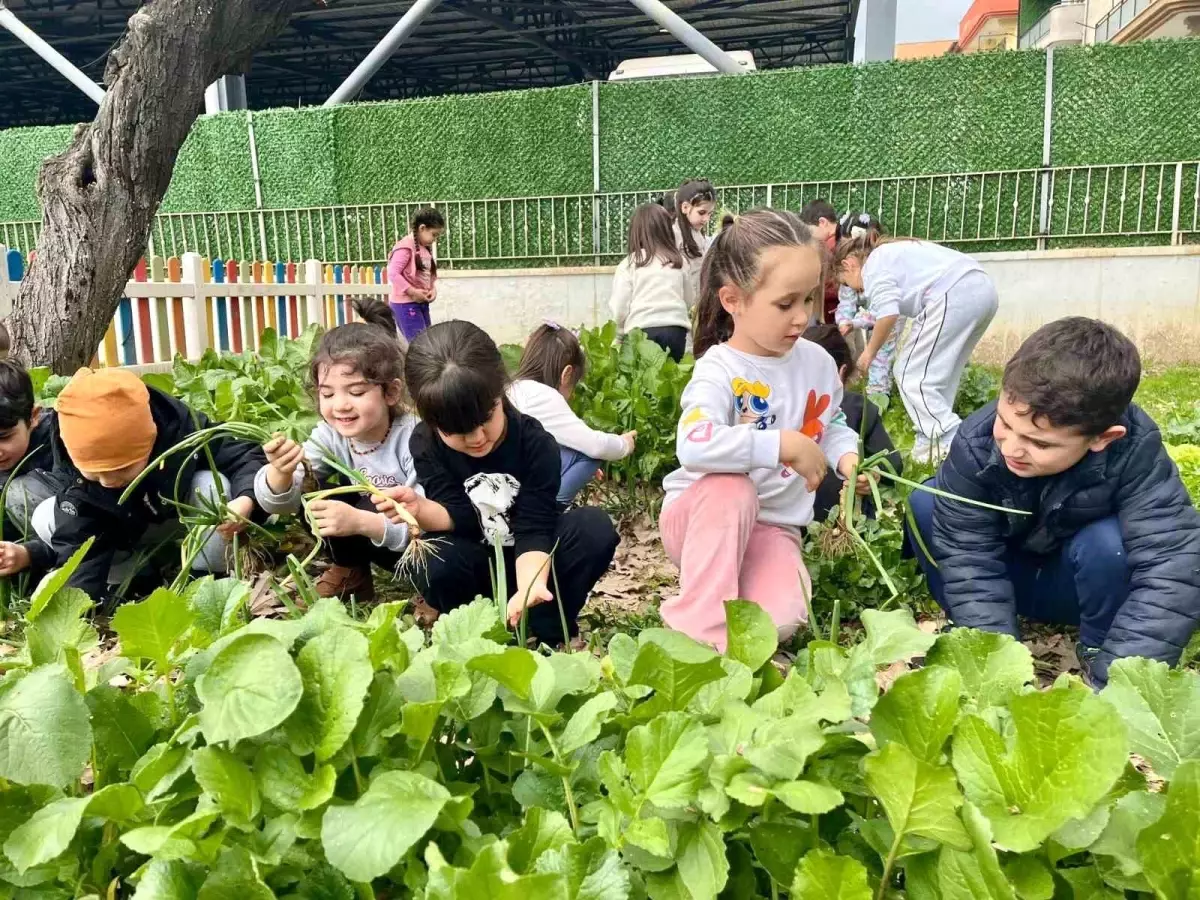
1133	479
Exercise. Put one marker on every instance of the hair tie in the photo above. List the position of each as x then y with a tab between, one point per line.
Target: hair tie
551	324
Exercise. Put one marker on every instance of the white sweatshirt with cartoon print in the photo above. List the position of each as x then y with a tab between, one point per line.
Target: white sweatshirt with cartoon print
734	409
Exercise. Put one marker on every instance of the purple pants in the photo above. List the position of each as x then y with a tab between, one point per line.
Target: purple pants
412	318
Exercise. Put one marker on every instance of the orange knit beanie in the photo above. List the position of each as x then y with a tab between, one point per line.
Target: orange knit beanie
104	419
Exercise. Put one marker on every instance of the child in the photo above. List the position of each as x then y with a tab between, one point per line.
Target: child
761	416
822	218
873	433
650	289
412	272
952	302
850	317
552	364
25	432
491	478
357	373
692	207
1112	543
108	428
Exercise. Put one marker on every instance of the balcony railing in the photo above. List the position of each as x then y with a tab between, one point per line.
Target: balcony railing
1120	16
1043	26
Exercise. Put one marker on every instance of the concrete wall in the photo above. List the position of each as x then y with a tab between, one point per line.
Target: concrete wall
1151	293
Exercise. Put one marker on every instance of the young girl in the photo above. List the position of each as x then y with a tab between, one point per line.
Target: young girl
650	288
852	319
693	205
491	477
412	272
357	371
552	364
951	301
761	422
873	433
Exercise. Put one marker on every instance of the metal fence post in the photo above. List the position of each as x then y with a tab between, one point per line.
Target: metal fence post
1176	234
596	171
258	196
195	324
6	287
1047	134
315	302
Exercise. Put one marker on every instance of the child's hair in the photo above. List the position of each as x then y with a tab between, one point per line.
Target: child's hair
5	342
1076	373
727	220
16	394
734	258
816	210
855	224
426	218
858	248
455	375
694	190
831	340
548	352
370	348
651	238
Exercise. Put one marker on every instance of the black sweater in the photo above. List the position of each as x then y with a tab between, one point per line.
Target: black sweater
874	439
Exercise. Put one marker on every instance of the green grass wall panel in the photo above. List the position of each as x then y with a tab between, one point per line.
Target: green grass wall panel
22	151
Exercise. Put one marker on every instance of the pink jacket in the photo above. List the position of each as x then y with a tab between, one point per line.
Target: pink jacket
403	273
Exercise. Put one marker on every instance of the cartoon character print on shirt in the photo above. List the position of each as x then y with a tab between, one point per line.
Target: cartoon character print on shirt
699	428
812	426
493	494
750	401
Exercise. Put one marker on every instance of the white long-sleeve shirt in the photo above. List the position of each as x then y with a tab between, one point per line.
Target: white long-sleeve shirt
900	277
734	409
542	402
651	296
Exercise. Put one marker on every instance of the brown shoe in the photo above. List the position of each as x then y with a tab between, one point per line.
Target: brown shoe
342	582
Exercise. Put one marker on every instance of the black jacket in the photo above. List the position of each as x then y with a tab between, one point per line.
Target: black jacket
1133	479
85	509
39	458
874	439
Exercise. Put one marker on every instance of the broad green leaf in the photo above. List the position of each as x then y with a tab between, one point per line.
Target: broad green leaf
993	666
159	768
122	732
367	839
593	871
1161	708
514	668
796	697
489	877
778	847
780	748
335	668
251	687
701	867
674	682
665	758
464	623
584	727
1130	816
541	832
235	877
737	684
809	797
60	634
921	799
677	645
1030	878
892	636
282	780
752	636
170	841
822	875
974	874
1086	883
1031	785
622	651
229	782
46	834
216	605
45	736
150	629
116	802
919	711
380	716
169	880
55	580
650	834
1170	848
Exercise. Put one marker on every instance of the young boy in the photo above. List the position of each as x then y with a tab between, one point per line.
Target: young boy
822	218
25	437
108	428
1112	543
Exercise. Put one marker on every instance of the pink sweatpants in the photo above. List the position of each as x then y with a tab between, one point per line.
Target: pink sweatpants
723	552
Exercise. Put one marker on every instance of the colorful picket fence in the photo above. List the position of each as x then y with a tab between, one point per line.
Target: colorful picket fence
185	305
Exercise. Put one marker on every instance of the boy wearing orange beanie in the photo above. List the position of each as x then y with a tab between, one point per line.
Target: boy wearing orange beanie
109	427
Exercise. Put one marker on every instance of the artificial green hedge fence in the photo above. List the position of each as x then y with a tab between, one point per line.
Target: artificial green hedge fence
980	112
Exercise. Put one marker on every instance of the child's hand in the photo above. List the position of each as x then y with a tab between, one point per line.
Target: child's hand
630	439
864	361
801	454
845	328
405	496
13	559
431	294
284	455
537	594
862	483
418	295
333	518
240	509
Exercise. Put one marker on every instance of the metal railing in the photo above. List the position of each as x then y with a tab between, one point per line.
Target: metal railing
977	210
1122	14
1042	26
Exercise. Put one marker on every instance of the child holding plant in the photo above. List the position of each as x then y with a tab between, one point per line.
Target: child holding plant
551	366
761	422
357	373
412	272
853	319
491	480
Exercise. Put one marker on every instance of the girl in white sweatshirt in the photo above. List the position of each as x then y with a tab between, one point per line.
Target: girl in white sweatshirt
650	288
761	422
951	302
551	366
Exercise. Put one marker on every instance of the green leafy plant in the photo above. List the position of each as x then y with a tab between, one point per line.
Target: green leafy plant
979	387
1187	459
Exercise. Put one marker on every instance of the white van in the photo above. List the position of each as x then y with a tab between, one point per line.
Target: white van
675	66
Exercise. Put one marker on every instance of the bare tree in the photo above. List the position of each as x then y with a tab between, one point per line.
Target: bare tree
100	195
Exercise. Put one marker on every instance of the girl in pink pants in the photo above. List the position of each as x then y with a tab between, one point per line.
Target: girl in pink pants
761	422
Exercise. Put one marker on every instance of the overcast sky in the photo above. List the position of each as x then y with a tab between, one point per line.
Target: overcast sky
926	20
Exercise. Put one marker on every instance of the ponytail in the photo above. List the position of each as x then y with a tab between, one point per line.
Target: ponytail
375	312
859	247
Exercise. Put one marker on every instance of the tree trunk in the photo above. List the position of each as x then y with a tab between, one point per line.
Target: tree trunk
99	196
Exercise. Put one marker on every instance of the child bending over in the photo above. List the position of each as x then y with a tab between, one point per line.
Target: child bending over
1112	543
491	477
551	366
25	434
357	372
761	422
412	272
853	319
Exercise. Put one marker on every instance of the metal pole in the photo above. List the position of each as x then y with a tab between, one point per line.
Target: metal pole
258	196
596	171
60	63
696	42
1176	234
382	51
1047	130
